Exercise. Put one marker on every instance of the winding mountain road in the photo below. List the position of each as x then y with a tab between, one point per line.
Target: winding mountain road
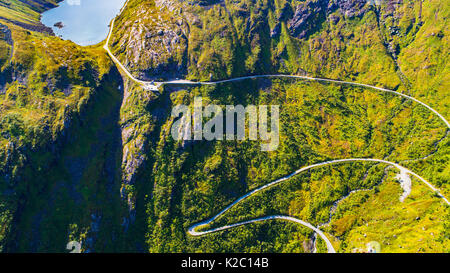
154	85
193	229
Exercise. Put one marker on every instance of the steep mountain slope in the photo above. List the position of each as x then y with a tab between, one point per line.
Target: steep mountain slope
86	154
60	142
26	13
348	40
226	39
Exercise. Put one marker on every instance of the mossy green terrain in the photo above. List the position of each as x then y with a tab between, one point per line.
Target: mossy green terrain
197	181
87	155
59	142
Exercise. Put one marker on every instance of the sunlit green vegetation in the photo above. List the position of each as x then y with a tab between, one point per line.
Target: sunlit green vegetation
87	157
59	142
25	12
319	123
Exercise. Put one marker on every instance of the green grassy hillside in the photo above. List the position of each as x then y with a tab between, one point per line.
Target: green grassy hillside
59	139
86	154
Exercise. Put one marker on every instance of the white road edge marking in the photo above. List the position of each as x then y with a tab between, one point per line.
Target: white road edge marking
193	229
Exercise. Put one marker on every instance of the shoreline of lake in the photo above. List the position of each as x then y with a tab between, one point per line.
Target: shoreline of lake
85	24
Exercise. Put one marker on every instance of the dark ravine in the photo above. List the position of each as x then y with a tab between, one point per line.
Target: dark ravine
38	205
38	27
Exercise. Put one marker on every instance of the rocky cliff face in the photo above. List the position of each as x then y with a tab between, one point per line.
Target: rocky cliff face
30	10
177	39
83	160
88	158
309	15
306	18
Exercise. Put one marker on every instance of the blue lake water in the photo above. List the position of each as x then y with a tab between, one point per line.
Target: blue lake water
85	21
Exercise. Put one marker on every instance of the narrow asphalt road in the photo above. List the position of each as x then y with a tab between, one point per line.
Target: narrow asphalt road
193	229
188	82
